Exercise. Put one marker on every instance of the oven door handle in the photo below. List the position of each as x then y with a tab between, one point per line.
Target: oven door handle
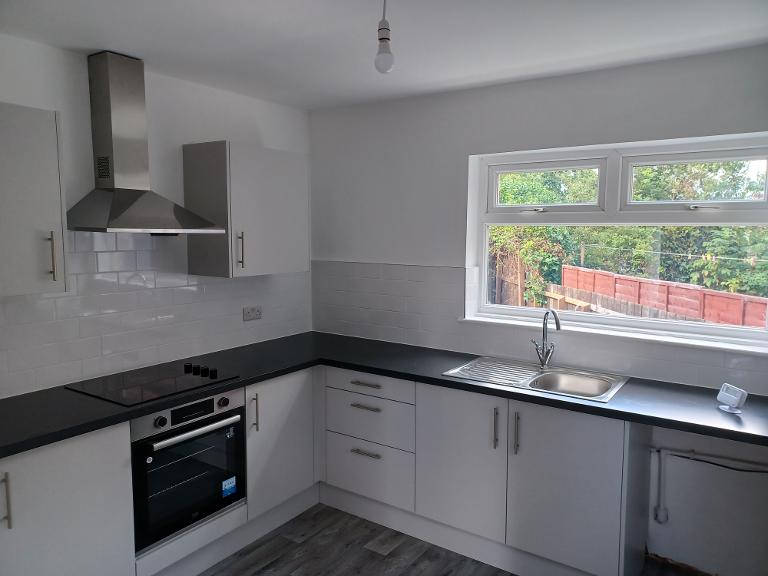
195	433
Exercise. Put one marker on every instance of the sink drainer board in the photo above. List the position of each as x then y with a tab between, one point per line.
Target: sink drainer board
495	371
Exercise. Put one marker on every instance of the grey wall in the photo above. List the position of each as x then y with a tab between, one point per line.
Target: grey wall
389	197
389	180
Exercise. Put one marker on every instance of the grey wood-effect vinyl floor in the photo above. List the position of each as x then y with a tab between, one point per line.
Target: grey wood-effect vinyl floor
324	541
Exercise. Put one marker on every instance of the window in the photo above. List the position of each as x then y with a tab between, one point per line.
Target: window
669	236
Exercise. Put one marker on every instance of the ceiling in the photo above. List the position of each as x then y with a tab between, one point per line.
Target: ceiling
318	53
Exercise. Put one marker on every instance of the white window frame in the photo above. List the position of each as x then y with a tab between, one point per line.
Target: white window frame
495	170
613	208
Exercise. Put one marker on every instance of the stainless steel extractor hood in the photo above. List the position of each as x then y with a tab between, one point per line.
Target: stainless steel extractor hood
122	200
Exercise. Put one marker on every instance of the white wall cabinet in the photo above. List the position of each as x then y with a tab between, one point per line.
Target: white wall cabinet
31	214
461	459
71	508
565	483
280	440
261	196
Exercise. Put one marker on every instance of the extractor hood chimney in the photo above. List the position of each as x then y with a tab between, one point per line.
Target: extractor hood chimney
122	200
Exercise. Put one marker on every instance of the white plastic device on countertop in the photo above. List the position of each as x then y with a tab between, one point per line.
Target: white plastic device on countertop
732	398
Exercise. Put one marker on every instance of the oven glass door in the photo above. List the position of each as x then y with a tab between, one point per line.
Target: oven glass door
187	474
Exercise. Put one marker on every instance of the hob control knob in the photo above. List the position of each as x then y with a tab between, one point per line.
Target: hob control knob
214	373
188	368
204	371
161	422
196	369
223	402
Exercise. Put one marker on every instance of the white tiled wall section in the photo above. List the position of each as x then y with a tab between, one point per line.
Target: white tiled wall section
421	305
124	311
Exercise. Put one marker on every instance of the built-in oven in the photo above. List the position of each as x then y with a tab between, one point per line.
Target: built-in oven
188	463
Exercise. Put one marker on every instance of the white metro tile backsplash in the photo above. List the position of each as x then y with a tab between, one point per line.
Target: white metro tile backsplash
123	310
421	305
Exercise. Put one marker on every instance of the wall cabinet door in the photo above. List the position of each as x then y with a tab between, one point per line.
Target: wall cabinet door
31	222
565	478
261	196
461	459
280	440
71	508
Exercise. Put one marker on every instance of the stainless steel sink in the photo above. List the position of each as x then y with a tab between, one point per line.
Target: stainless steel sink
563	381
579	384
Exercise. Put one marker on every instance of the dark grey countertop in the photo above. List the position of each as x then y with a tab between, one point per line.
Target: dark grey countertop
31	420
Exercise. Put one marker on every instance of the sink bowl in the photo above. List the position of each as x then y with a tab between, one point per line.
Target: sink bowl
573	383
563	381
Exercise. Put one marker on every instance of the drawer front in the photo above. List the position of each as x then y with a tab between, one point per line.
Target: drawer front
377	472
364	383
370	418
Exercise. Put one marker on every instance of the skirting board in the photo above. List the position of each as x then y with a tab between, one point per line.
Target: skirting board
486	551
241	537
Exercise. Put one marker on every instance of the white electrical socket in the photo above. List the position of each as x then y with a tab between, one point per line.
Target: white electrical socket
251	313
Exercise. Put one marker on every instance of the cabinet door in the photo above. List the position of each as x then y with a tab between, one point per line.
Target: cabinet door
30	202
71	508
461	459
280	440
269	211
564	500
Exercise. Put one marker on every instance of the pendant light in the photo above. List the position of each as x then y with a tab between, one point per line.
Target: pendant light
384	59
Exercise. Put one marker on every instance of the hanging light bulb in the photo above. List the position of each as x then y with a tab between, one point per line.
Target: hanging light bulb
384	59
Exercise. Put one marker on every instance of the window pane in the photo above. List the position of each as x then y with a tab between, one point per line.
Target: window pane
700	181
713	274
548	187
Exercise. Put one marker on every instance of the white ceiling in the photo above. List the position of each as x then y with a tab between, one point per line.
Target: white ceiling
316	53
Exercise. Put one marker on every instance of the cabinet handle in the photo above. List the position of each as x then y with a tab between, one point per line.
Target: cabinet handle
6	479
365	384
495	428
365	407
255	422
53	271
241	238
516	445
361	452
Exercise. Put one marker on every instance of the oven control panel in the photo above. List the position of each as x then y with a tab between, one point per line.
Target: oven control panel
171	418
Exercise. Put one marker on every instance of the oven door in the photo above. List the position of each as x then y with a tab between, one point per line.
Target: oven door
186	474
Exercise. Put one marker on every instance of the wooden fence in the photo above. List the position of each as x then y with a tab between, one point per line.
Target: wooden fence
675	299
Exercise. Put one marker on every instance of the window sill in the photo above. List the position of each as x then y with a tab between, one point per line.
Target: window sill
741	345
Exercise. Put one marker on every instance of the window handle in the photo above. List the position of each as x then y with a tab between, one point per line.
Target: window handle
701	207
537	209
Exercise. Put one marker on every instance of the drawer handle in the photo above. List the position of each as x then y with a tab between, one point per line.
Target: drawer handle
6	479
364	407
365	384
361	452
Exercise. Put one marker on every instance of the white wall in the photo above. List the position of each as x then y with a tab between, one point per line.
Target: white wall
389	197
389	180
130	302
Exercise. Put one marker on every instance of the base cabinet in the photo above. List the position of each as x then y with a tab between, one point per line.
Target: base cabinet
564	486
279	440
461	459
71	508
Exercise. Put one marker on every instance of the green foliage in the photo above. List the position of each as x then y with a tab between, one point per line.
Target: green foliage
696	181
576	186
718	257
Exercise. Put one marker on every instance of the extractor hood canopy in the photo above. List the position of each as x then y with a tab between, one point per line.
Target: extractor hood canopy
122	200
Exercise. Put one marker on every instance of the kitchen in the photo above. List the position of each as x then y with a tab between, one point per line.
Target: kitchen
363	268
